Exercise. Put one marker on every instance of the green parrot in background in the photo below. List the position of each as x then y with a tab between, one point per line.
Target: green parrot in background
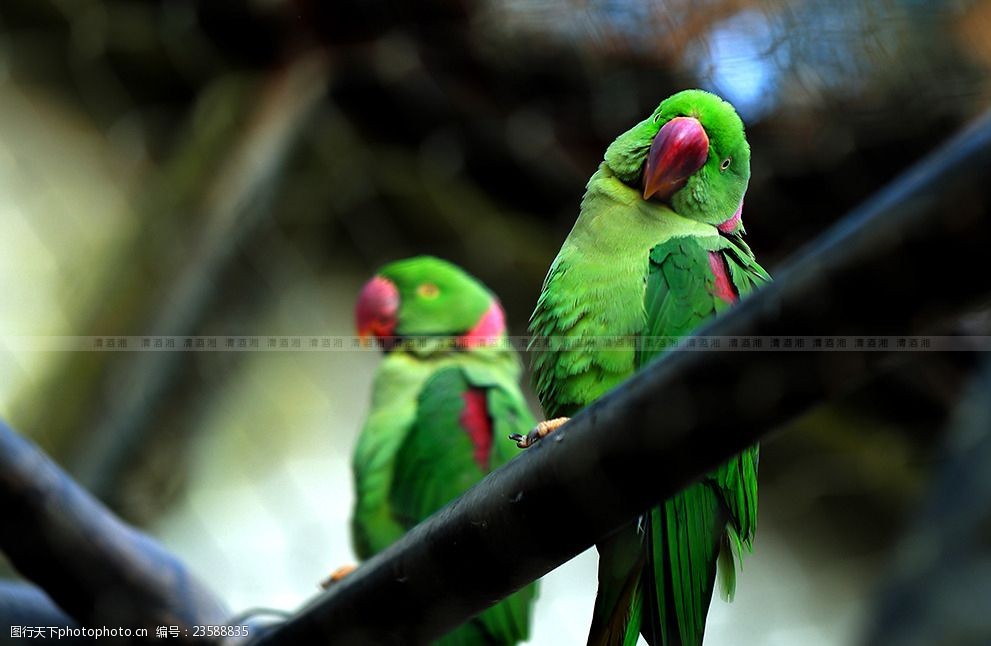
440	396
655	252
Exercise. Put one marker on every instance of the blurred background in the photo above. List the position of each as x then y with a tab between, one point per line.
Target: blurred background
240	167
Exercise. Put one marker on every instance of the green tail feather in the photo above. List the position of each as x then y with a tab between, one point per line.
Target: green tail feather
623	629
686	534
727	564
472	633
619	598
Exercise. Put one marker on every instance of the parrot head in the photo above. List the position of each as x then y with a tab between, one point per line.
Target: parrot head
690	153
427	296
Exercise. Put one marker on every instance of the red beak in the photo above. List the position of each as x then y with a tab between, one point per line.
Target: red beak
680	148
375	312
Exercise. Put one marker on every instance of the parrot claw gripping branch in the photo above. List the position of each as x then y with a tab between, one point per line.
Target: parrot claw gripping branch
539	432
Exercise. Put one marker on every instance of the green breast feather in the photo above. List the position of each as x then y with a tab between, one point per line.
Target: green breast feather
595	290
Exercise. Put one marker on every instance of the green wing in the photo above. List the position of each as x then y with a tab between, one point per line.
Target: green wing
439	460
737	479
744	271
688	532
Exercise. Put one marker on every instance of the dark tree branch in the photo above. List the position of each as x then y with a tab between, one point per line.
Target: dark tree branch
22	604
98	569
939	589
911	255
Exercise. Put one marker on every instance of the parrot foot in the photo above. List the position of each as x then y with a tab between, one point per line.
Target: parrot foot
539	432
337	575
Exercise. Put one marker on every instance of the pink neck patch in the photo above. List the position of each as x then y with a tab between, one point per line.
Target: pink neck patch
722	287
734	223
491	326
475	421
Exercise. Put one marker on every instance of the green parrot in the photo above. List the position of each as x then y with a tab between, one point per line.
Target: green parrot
440	396
655	252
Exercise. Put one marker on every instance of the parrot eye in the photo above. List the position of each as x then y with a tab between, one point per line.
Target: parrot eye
428	290
726	163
